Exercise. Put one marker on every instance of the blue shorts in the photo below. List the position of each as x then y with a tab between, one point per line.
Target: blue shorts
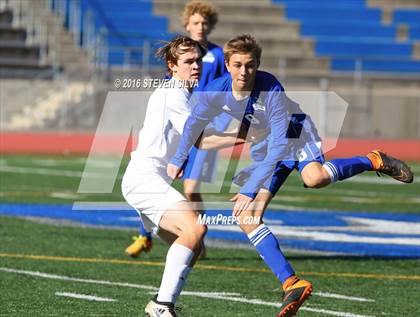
201	164
310	152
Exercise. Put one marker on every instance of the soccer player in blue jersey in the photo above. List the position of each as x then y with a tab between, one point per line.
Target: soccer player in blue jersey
199	19
256	98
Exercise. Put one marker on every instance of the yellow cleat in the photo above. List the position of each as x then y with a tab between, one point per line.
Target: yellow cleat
140	244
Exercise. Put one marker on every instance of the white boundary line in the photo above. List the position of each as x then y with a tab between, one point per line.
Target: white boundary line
85	297
218	295
344	297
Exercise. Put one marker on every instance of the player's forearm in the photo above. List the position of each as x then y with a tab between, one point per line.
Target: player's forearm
190	135
216	142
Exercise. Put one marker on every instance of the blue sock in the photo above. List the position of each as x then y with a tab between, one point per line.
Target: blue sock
340	169
144	232
268	248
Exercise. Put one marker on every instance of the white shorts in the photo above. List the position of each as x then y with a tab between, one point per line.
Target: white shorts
150	193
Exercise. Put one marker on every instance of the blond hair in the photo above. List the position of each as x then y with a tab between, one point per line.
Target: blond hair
204	9
243	44
171	51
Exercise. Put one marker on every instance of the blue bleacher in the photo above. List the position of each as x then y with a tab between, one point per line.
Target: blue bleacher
411	17
414	32
352	34
128	25
350	30
373	65
362	49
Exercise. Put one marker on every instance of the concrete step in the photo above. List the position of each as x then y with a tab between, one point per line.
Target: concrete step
11	49
24	72
278	29
281	46
416	50
9	33
296	63
394	4
230	8
6	17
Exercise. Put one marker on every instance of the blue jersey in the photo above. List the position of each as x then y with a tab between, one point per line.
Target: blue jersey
213	66
201	163
266	108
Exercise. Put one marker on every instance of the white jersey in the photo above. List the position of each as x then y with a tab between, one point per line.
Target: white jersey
166	114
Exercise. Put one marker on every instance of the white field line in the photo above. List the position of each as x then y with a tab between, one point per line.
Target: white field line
47	171
353	199
355	192
52	172
217	295
62	195
375	180
60	162
344	297
316	235
85	297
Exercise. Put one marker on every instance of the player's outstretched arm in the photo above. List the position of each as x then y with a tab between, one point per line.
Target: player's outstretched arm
227	139
174	171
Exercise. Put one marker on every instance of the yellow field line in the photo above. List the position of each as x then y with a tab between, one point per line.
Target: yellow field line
208	267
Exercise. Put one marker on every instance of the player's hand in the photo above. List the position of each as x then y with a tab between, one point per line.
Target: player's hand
256	135
174	171
242	202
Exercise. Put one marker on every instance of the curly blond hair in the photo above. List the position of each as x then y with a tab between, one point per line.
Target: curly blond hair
204	9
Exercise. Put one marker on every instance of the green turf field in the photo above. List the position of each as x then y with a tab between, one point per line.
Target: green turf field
49	259
56	179
391	287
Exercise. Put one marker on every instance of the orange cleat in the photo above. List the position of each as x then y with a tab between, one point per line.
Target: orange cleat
293	298
390	166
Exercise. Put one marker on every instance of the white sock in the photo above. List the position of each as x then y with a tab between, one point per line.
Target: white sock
331	170
182	281
176	272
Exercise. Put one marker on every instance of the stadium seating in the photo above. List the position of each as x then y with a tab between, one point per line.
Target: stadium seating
354	37
410	17
127	26
17	59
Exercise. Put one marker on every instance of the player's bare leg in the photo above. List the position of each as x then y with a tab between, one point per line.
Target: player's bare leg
179	226
314	175
193	195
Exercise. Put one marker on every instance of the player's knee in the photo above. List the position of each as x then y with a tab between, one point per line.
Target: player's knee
314	180
199	231
194	197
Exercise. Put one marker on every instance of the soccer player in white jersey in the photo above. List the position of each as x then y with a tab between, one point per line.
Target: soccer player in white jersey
145	184
198	18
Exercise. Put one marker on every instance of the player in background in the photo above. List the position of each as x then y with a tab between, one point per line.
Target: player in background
199	19
146	186
257	99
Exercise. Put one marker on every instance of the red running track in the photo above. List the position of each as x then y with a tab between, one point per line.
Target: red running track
81	144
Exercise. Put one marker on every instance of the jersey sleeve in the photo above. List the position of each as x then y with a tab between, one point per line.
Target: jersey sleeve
178	111
203	112
221	67
276	148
